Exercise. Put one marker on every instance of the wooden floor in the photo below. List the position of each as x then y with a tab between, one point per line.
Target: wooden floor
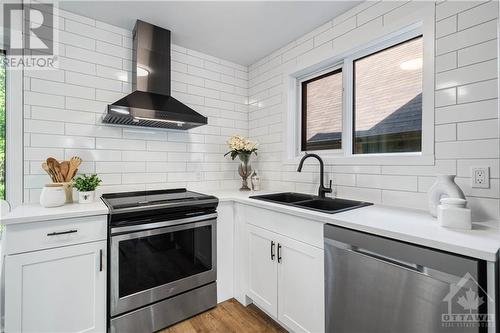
229	316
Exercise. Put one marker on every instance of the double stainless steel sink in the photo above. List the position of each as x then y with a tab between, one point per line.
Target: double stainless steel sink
312	202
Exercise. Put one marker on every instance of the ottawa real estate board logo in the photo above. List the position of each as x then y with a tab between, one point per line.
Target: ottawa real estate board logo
467	305
30	35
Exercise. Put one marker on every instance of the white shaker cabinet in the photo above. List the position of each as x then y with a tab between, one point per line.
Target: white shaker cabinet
300	286
55	275
285	278
57	290
262	270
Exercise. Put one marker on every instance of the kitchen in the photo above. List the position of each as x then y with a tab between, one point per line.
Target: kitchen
173	165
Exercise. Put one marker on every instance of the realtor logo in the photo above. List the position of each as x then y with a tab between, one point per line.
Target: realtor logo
29	35
467	305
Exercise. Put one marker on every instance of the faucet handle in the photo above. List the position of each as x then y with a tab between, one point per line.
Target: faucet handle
330	187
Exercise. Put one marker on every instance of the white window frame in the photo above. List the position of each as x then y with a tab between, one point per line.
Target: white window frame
14	154
307	77
423	25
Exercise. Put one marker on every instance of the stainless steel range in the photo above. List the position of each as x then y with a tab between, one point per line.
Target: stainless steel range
162	261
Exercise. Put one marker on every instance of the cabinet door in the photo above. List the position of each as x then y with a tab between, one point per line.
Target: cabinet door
300	286
57	290
262	270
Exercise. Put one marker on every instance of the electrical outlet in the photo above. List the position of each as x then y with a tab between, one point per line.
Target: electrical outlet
481	177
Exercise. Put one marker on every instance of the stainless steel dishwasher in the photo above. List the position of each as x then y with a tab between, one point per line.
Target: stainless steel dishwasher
375	284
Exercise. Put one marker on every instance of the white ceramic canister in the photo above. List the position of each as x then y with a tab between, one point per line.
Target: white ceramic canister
86	197
452	213
53	195
444	187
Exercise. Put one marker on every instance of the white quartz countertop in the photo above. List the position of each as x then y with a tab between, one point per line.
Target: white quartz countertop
413	226
35	212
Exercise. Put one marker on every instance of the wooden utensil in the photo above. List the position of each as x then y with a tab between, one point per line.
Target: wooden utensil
56	169
74	163
64	169
48	171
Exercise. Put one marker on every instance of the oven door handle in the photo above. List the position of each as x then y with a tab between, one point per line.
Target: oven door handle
155	225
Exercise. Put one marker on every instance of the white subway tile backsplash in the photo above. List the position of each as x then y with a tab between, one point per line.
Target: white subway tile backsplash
478	53
477	91
41	99
63	110
467	149
121	144
465	38
469	74
43	126
61	141
446	97
467	112
446	62
93	131
61	115
485	12
94	57
483	129
466	67
63	89
447	132
92	81
96	33
446	26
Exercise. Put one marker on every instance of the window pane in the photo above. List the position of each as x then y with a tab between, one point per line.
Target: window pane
322	112
388	100
2	125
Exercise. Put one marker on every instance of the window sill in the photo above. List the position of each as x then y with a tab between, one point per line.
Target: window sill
372	159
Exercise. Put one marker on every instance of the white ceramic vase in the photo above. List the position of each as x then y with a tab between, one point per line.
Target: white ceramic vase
86	197
443	187
53	195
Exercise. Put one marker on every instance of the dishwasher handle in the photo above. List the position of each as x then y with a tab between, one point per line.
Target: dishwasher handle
389	260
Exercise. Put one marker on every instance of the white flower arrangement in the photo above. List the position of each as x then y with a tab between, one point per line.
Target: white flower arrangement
241	145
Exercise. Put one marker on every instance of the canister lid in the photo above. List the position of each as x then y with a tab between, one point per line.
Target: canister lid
458	202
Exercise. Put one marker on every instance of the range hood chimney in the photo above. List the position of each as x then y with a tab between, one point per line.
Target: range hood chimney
150	103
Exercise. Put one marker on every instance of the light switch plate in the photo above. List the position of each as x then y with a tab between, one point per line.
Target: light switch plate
480	177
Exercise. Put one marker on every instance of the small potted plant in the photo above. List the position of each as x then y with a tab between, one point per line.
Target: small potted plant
86	185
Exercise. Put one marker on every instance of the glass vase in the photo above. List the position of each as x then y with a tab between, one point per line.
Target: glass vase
244	170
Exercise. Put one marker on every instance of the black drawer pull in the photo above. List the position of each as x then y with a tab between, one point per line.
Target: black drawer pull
279	253
57	233
100	260
272	250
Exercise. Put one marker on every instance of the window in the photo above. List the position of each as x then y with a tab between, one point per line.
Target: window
388	100
2	125
382	111
322	112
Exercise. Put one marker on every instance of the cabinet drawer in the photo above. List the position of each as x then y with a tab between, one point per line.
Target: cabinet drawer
301	229
55	233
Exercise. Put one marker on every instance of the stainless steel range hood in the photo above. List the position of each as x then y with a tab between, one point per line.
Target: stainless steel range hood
150	103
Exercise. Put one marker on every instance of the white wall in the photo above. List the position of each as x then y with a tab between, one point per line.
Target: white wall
63	109
466	106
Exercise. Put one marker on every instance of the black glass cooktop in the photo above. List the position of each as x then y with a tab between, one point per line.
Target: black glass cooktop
117	201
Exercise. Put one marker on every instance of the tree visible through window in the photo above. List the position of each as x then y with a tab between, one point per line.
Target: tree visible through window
2	125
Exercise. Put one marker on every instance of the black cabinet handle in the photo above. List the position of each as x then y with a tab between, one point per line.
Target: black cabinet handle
272	250
100	260
279	252
57	233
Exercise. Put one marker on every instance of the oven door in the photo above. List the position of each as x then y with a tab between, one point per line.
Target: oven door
151	265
